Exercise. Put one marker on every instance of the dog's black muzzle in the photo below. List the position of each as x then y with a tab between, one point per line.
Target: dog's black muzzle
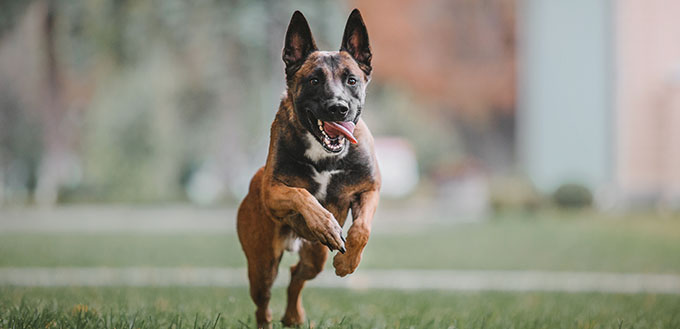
336	111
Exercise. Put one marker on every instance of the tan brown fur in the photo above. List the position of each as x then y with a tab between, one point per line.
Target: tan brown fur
280	206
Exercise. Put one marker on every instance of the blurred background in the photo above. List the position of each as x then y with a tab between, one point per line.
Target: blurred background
527	146
477	106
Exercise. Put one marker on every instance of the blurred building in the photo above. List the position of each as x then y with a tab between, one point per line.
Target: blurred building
598	102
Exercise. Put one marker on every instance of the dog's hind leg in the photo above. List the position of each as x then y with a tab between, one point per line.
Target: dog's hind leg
262	245
312	259
261	275
263	256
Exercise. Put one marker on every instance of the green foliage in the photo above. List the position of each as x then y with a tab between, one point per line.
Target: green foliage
10	12
20	148
156	90
573	196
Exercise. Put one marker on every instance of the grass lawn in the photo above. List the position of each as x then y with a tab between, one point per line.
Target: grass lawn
327	308
582	242
543	242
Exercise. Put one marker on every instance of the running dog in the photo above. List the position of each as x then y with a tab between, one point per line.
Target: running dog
321	164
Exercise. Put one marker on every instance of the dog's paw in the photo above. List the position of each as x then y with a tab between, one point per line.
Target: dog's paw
345	264
294	319
327	231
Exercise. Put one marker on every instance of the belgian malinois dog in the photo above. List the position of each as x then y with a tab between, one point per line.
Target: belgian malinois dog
321	164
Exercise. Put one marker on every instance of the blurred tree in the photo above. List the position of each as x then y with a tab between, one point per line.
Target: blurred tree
10	12
56	129
138	98
163	99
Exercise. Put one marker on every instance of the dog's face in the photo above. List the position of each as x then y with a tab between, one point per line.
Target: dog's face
328	88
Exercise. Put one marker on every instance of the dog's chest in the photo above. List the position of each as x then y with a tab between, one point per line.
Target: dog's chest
323	181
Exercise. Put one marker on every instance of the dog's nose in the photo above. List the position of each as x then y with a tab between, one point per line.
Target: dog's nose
338	109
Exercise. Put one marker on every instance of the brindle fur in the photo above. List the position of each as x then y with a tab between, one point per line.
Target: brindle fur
281	202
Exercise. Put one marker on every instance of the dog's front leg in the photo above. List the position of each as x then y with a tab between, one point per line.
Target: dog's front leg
317	224
363	210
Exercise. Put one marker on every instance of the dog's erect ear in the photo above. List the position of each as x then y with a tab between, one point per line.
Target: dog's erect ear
355	41
299	43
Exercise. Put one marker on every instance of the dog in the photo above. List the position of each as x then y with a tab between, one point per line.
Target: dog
321	163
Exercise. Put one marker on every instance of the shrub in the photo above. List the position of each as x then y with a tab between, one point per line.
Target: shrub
573	196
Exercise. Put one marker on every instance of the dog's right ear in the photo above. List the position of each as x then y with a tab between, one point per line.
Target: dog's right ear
299	43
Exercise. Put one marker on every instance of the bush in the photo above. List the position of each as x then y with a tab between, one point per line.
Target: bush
573	196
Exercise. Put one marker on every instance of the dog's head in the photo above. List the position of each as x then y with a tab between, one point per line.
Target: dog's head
328	88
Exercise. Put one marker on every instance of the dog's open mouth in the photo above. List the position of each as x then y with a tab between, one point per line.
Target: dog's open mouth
334	133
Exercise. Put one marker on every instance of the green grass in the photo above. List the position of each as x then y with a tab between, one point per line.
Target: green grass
576	243
561	244
119	249
326	308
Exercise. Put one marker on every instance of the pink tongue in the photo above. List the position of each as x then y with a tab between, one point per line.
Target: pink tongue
345	128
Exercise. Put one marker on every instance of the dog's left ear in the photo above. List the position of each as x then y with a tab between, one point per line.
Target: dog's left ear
355	41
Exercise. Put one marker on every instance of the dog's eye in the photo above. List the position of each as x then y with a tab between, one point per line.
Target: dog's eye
314	81
351	81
